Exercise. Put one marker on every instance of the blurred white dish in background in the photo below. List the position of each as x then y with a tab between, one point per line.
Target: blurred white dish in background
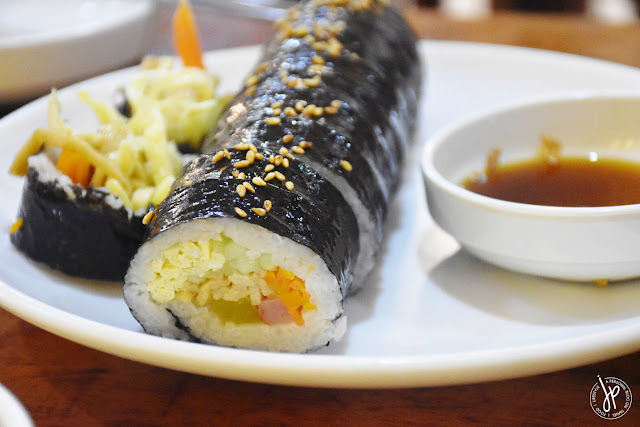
47	43
571	243
12	413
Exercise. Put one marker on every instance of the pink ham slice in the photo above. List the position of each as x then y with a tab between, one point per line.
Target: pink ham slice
272	311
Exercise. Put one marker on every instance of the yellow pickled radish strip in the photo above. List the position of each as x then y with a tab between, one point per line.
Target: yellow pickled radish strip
116	188
290	289
98	178
54	118
20	164
104	112
76	144
185	36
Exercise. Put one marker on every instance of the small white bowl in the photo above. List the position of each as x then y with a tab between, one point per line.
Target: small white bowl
579	244
46	43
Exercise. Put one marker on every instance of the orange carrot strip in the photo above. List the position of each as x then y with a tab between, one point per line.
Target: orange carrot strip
84	173
290	289
185	36
75	167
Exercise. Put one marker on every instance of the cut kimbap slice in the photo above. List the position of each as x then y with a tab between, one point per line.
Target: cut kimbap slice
262	237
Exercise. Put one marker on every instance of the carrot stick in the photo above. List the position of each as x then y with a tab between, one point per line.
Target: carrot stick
75	167
185	36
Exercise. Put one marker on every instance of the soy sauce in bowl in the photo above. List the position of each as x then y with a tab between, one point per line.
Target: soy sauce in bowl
554	180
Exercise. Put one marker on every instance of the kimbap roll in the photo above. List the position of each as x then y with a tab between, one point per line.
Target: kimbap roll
263	236
86	193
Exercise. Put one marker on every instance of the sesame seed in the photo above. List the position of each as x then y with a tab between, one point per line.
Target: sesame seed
334	48
284	151
267	205
309	109
293	13
259	156
300	31
277	104
273	121
297	149
240	212
285	162
346	165
278	160
318	60
336	103
287	138
270	176
330	110
299	106
316	68
251	156
252	80
306	144
269	168
218	156
318	111
291	82
149	217
235	173
289	112
241	164
338	27
241	175
313	81
253	148
285	30
259	211
227	154
289	185
241	190
320	29
17	225
319	46
250	91
258	181
283	75
276	111
249	187
280	176
241	147
309	38
272	158
262	67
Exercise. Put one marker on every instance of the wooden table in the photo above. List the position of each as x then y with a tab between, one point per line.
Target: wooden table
63	383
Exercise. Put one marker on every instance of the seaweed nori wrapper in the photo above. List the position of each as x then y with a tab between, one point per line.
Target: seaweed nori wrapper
376	78
82	236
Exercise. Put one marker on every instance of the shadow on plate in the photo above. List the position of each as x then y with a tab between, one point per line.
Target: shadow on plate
360	306
534	300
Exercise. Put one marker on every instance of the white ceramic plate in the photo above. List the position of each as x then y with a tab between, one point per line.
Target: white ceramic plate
46	43
432	315
12	413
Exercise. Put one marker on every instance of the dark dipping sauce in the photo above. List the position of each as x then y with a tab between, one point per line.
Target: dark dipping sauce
566	181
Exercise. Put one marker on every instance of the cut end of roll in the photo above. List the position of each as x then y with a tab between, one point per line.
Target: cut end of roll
228	282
